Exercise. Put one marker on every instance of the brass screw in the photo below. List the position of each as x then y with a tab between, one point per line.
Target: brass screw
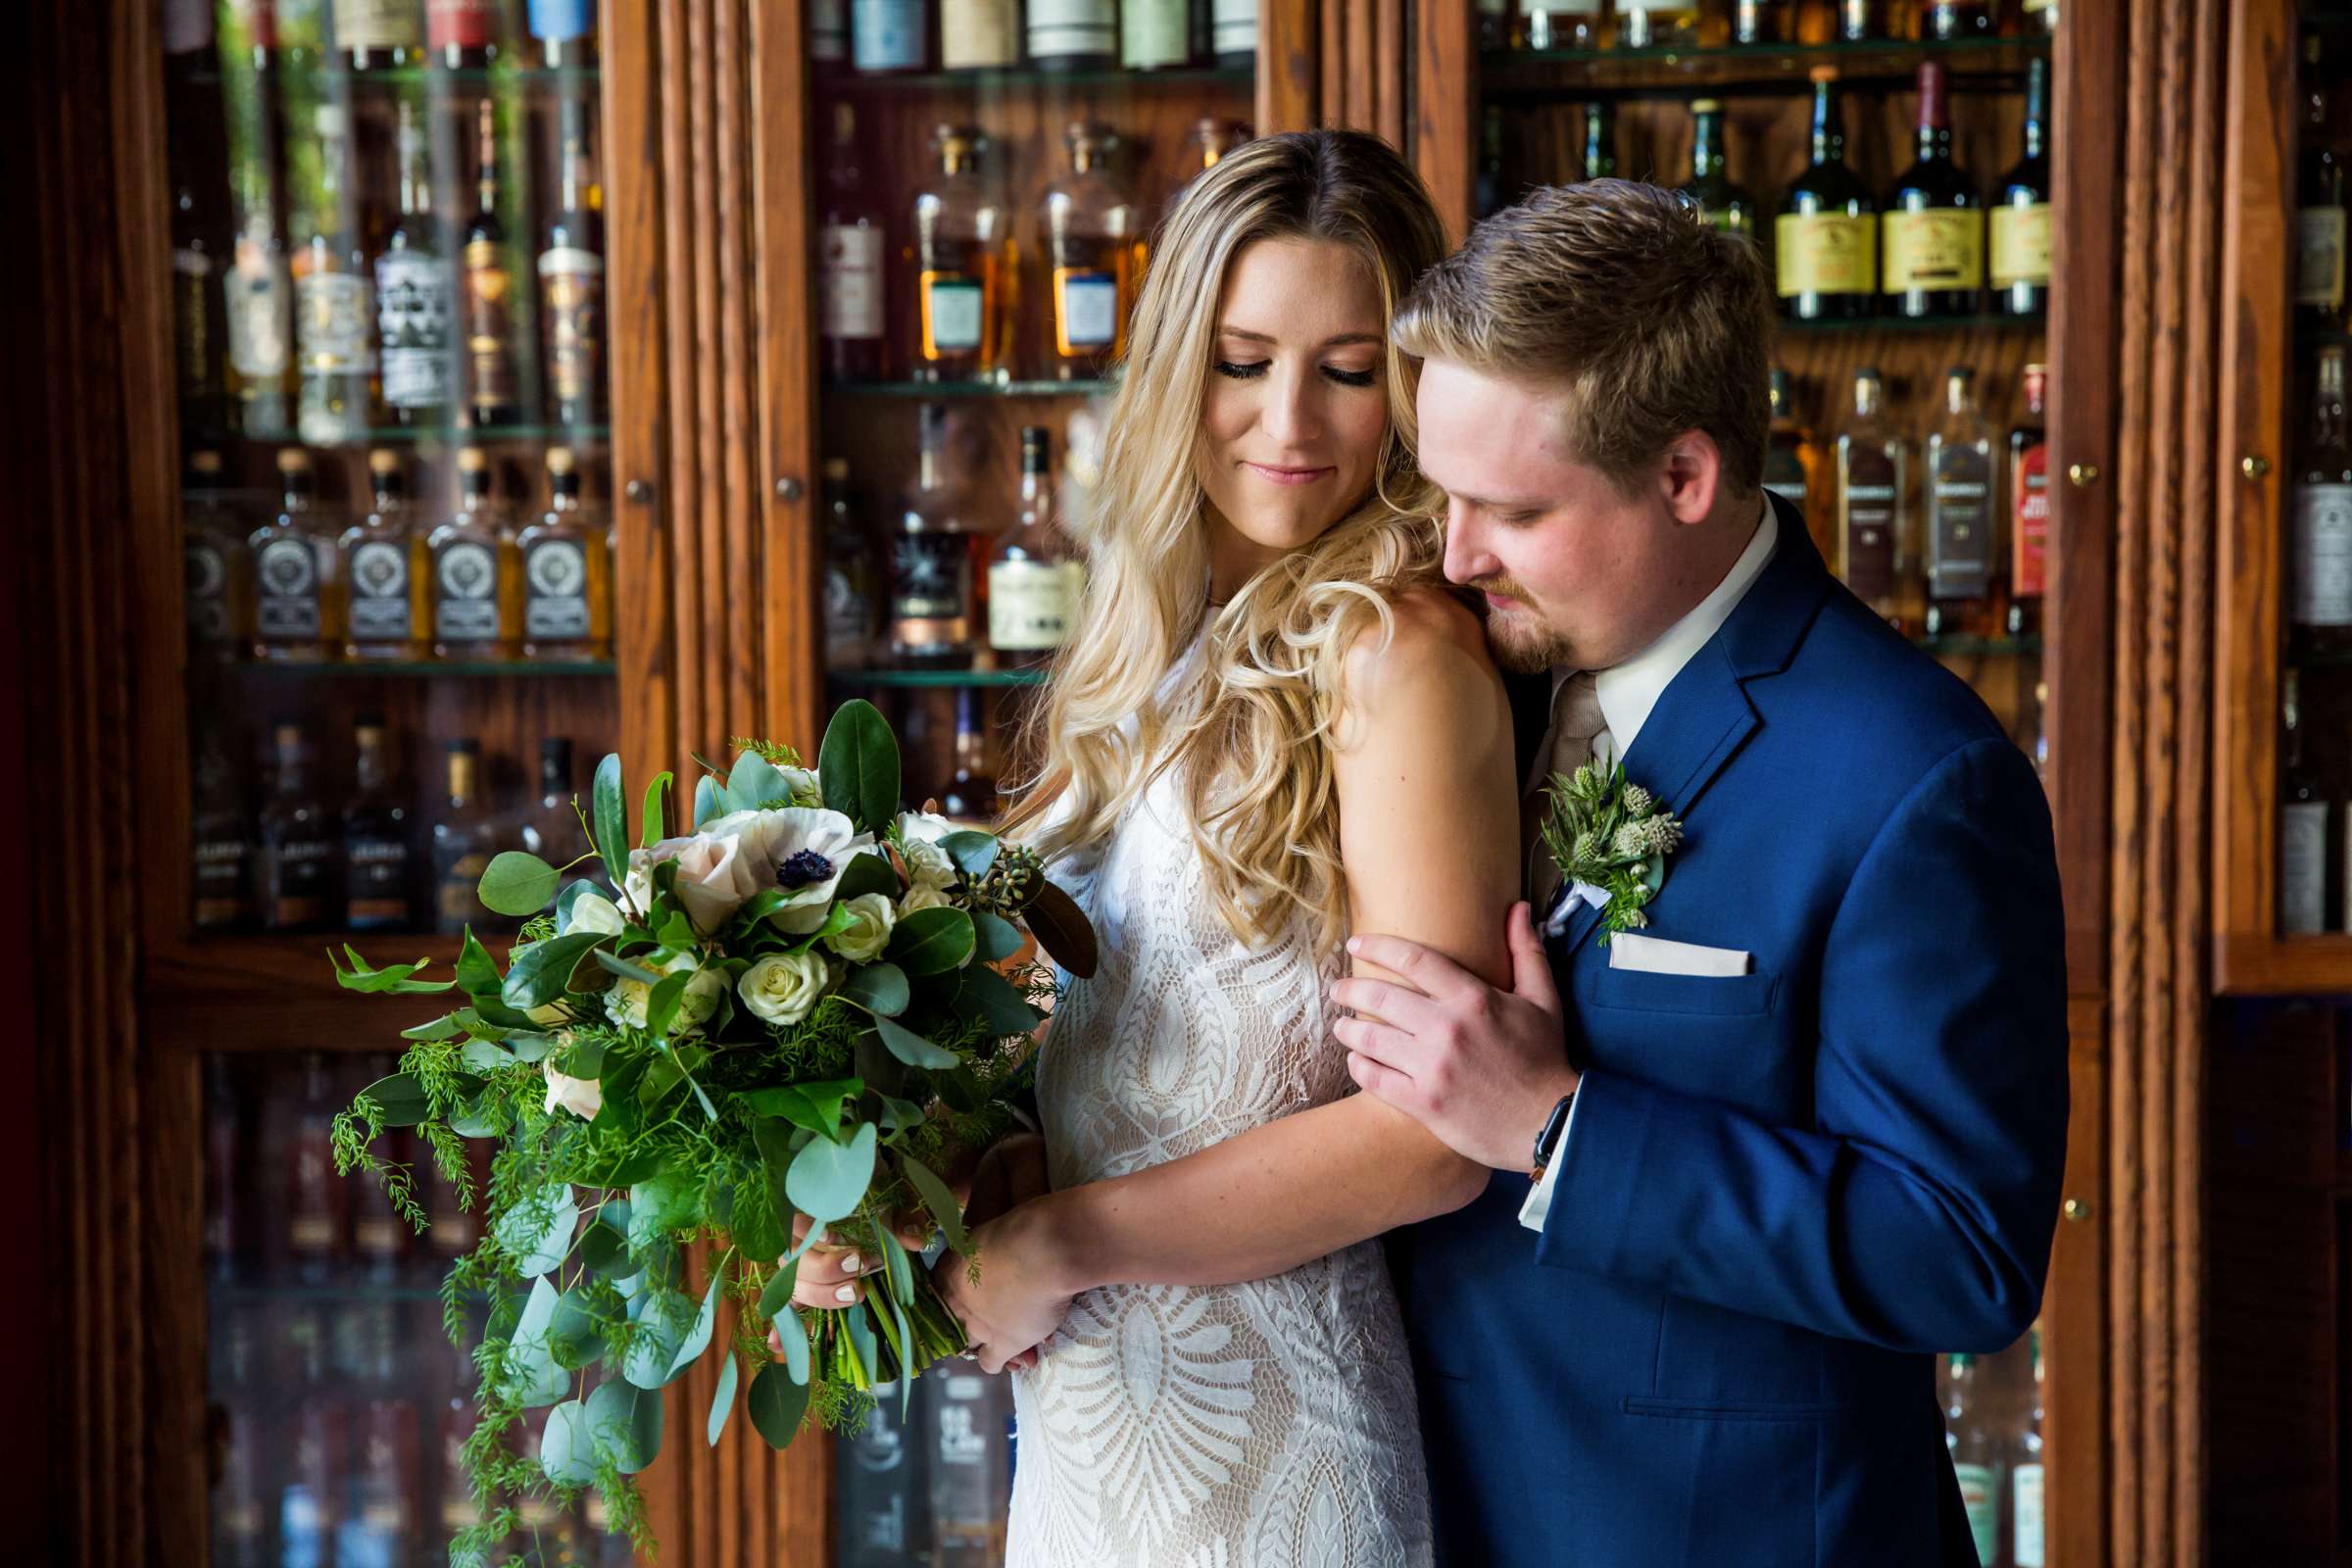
2076	1209
2082	475
2253	466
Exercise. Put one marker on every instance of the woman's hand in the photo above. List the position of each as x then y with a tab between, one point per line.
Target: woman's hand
1024	1286
831	1278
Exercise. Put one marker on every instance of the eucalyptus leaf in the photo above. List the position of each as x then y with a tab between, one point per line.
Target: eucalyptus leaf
932	941
999	939
574	1338
858	765
625	1424
486	1056
533	1376
698	1337
662	1315
611	807
565	1451
584	1057
517	883
539	971
793	1336
722	1401
939	1201
775	1299
601	1248
707	806
897	1268
482	1116
1000	1006
401	1098
860	1328
529	1045
666	1203
910	1048
776	1404
878	988
897	1115
972	851
827	1180
649	828
445	1027
537	1240
756	781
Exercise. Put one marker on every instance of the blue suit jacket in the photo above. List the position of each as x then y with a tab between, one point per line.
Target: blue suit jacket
1783	1193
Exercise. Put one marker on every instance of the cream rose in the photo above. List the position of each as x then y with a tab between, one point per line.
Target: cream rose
927	864
868	931
593	911
782	988
626	1002
922	897
582	1097
714	876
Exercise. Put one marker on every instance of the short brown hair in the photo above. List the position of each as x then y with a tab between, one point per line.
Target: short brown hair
1659	323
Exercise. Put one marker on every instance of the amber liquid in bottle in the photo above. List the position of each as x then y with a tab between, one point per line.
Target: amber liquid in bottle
572	288
297	847
851	244
491	394
1094	251
566	572
462	844
963	268
933	613
378	894
1790	459
383	563
1967	568
298	599
477	590
1870	500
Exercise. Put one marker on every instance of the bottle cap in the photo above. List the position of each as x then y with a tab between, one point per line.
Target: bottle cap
293	460
205	462
383	460
472	459
1706	105
837	470
559	460
464	746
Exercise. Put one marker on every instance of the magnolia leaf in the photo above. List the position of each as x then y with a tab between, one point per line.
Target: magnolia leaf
662	1008
776	1404
625	969
897	1268
588	977
539	971
858	765
991	996
609	807
537	1238
910	1048
760	905
878	988
649	828
565	1451
566	900
813	1105
932	941
972	851
939	1201
479	978
828	1180
999	939
516	883
1063	930
722	1401
867	872
447	1026
401	1098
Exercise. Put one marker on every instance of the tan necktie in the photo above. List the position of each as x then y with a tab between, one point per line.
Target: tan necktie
1575	719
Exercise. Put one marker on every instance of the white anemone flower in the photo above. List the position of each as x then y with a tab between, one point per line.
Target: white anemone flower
811	847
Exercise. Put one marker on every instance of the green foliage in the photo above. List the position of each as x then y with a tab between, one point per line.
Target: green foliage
1611	835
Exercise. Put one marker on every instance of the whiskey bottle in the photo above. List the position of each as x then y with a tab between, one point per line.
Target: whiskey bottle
1725	205
378	892
1871	492
415	295
383	563
1789	455
970	798
968	1467
2029	1545
1946	21
1233	32
1763	21
2030	509
849	247
378	35
476	597
1073	35
492	395
1600	161
1965	563
2320	518
2318	208
829	31
1976	1457
1156	34
2041	18
851	582
297	600
571	285
566	32
318	1205
566	573
2021	214
551	827
297	849
932	613
199	328
979	35
220	580
1093	241
885	1501
257	302
2309	821
888	36
224	894
965	266
1933	232
1657	24
334	305
462	34
1033	573
463	845
1559	24
1826	238
1859	21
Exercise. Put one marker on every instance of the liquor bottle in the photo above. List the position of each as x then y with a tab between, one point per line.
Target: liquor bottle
2030	507
377	890
931	608
1560	23
381	1527
378	35
1600	142
849	245
887	34
2021	214
1763	21
970	797
1826	238
571	284
464	32
566	32
551	827
1933	232
2041	17
979	35
2027	1540
383	563
1725	205
223	895
1093	240
220	581
257	302
1154	34
1034	575
1789	455
885	1517
1965	563
313	1457
566	572
968	1468
334	304
240	1534
964	258
199	326
297	600
492	397
317	1200
1657	24
1871	491
1859	21
2308	821
2320	519
416	295
1233	32
1948	19
2319	208
1073	35
1495	30
829	31
462	844
1976	1457
1488	188
295	863
475	594
851	577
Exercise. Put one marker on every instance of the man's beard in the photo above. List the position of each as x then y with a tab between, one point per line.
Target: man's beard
1520	640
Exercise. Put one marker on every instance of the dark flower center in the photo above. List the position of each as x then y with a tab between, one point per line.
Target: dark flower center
801	868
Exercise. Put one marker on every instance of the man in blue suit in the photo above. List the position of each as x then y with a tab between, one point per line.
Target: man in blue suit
1760	1160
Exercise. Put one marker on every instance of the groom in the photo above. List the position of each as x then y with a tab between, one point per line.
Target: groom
1802	1130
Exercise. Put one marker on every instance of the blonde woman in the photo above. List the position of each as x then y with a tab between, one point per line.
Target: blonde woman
1273	726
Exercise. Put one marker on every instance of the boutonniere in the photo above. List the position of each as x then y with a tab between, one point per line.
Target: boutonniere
1610	840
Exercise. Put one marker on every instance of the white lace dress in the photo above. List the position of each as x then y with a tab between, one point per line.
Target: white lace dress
1241	1426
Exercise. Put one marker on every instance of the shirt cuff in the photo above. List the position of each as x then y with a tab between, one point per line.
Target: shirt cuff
1537	1207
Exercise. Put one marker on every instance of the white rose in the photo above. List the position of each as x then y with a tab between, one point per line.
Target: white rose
927	864
782	988
869	932
714	876
922	897
702	995
582	1097
625	1003
812	848
593	911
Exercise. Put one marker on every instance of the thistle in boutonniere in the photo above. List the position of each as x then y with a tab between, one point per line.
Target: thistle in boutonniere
1610	840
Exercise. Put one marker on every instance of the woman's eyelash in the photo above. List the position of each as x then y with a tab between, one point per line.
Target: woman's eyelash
1251	372
1349	377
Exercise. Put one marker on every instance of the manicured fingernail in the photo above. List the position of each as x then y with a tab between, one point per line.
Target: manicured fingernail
848	1262
1354	944
847	1293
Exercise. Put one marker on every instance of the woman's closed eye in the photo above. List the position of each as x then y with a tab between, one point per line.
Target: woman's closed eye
1258	367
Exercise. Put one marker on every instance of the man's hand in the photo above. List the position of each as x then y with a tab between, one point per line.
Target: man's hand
1479	1067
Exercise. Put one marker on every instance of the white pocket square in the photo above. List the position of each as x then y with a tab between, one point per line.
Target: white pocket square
1657	956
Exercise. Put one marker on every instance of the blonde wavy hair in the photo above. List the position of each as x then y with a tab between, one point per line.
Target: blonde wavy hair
1249	742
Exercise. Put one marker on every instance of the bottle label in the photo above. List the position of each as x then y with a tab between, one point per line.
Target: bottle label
1086	313
191	316
974	34
1867	509
1032	604
1233	27
458	897
1982	1498
887	34
1825	253
462	23
2319	257
1060	27
562	19
1939	248
337	311
2021	244
2303	867
376	24
572	282
286	574
1556	7
2031	575
849	617
379	592
930	590
468	607
851	280
489	310
1785	475
414	303
207	593
2320	528
1960	525
378	888
556	573
951	313
1157	32
220	882
257	299
297	875
829	30
2026	1548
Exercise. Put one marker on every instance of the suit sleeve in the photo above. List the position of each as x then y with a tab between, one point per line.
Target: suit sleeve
1916	1211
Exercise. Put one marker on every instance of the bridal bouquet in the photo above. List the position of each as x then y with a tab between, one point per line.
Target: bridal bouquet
799	1011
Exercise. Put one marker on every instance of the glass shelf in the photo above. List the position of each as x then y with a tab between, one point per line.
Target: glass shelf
1744	69
1958	647
398	668
1026	78
936	390
463	76
457	435
935	678
1981	321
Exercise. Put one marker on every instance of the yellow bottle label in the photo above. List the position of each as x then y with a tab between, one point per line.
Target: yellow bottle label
1825	253
1943	247
2021	244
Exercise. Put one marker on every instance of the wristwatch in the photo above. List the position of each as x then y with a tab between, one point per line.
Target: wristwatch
1548	1142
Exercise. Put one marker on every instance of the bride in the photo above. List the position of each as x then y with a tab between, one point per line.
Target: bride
1273	726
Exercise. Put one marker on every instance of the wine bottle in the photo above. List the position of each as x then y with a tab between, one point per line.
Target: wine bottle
1824	239
2021	214
1932	233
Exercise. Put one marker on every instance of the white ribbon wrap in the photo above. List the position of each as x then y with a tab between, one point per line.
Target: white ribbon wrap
1556	922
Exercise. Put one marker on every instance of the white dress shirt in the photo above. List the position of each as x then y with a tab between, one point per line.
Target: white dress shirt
1627	692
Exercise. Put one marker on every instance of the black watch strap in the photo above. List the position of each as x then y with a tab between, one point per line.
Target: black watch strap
1548	1142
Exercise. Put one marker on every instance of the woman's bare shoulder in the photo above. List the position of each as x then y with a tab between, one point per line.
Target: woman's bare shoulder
1430	668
